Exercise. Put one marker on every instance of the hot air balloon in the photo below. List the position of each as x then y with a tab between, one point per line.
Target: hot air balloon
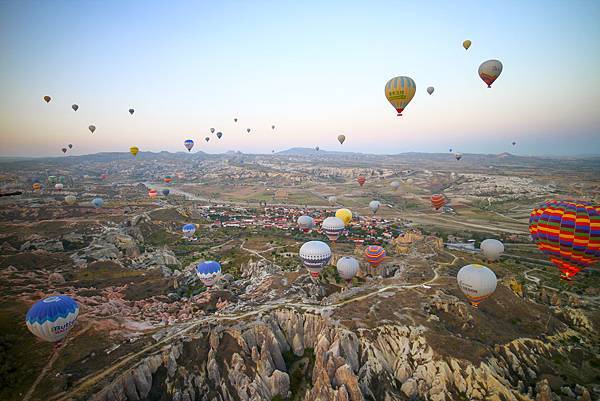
306	223
395	185
75	107
514	143
64	150
219	134
273	127
332	227
51	318
70	199
168	179
314	255
208	272
437	201
235	120
345	215
212	130
332	200
92	128
361	180
458	155
341	139
375	255
47	99
467	44
568	232
103	176
131	111
207	139
450	150
58	186
134	150
52	179
489	71
399	92
36	186
347	267
317	148
70	146
152	193
188	230
97	202
430	90
166	191
189	144
477	282
374	206
248	130
492	249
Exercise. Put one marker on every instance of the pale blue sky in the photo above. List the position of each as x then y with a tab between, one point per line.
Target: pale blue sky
314	69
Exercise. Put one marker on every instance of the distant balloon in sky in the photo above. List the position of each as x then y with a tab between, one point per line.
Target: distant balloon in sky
70	146
75	107
134	150
208	272
347	267
395	185
477	282
450	150
374	206
235	120
70	199
248	130
345	215
374	255
97	202
332	227
430	90
212	130
47	99
92	128
51	318
489	71
332	200
317	148
399	92
207	139
437	201
219	134
306	223
467	44
64	150
361	180
189	144
189	230
315	255
166	191
272	127
514	143
458	155
131	111
341	139
491	249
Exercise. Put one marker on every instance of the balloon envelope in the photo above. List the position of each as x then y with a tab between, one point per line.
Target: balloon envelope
332	227
467	44
219	134
208	272
399	91
134	150
189	144
64	150
97	202
51	318
374	206
430	90
492	249
188	230
489	71
166	191
58	186
437	201
306	223
395	185
131	111
75	107
375	255
341	139
347	267
212	130
361	180
332	200
477	282
70	146
92	128
344	214
70	199
248	130
314	255
458	156
47	99
207	139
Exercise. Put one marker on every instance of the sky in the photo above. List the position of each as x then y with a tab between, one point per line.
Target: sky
314	69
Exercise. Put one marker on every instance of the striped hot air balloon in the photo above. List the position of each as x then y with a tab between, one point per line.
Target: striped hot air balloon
153	193
568	232
168	179
315	255
333	227
399	92
208	272
375	255
437	201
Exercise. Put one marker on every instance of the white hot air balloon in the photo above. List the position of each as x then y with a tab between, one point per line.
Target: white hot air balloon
477	282
395	185
332	200
315	255
347	267
341	139
374	206
333	227
59	186
306	223
492	249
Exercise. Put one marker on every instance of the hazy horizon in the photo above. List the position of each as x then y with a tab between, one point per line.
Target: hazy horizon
313	70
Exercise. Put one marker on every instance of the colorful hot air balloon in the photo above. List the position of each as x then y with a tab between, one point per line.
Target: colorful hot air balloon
375	255
131	111
332	227
207	139
341	139
477	282
70	199
97	202
92	128
208	272
75	107
51	318
189	144
134	150
59	186
188	230
430	90
437	201
219	134
248	130
568	232
332	200
212	130
168	179
345	215
489	71
64	150
314	255
166	191
491	249
399	92
374	206
395	185
306	223
467	44
36	186
347	267
47	99
152	193
458	155
70	146
361	180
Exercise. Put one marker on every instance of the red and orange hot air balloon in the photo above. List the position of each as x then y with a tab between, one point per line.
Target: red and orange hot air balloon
375	255
168	179
568	232
361	180
437	201
153	193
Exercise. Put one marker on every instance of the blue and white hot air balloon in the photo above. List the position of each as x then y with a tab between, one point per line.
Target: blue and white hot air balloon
97	202
189	230
51	318
315	255
166	191
208	272
189	144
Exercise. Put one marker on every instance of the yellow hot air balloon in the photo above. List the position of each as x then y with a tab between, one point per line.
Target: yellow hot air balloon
399	92
134	150
345	215
467	44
